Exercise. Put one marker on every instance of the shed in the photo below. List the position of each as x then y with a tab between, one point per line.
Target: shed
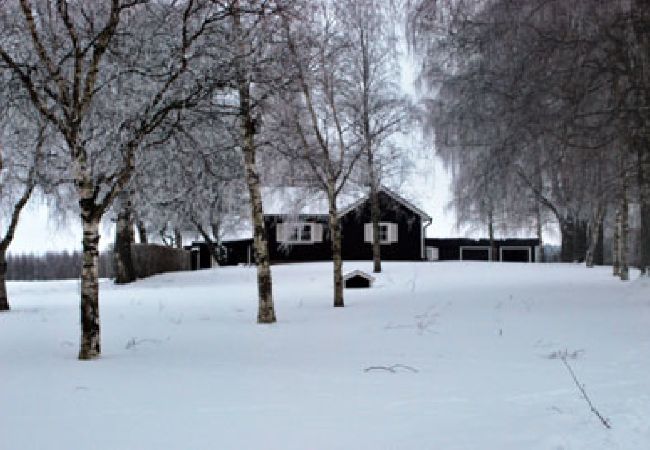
358	279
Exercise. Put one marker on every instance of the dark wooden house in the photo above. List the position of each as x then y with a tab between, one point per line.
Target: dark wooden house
298	236
402	229
298	232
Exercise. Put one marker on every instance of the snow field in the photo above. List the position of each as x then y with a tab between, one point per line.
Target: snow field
434	356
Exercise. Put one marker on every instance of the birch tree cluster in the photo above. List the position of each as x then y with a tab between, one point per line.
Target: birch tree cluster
540	110
339	116
114	81
167	117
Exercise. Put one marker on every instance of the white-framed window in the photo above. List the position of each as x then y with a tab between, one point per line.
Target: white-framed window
387	232
299	232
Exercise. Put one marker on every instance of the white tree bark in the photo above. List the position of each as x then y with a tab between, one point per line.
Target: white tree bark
266	309
90	347
335	231
375	214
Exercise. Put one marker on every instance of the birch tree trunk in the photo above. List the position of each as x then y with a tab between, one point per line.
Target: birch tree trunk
491	235
374	216
4	302
142	232
265	310
369	147
616	245
644	237
90	331
641	13
594	235
124	238
335	231
567	230
643	174
178	238
538	225
599	251
9	236
623	250
580	240
210	240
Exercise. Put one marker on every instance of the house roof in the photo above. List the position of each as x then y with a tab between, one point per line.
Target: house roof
293	201
394	196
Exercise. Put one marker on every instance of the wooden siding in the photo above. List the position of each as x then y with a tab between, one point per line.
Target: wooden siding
314	251
408	245
409	231
449	249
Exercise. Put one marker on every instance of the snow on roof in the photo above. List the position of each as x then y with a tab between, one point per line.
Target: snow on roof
244	230
394	195
290	201
358	273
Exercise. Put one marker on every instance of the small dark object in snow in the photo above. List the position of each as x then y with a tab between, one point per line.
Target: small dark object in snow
357	279
392	369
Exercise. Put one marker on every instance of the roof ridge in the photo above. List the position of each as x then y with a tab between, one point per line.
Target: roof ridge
391	193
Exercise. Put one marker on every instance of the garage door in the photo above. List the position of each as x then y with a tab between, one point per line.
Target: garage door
475	253
515	254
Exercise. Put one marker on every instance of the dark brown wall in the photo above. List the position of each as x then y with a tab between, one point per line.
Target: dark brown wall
408	245
318	251
409	231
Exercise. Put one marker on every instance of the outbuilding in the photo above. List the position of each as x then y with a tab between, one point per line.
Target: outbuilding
358	279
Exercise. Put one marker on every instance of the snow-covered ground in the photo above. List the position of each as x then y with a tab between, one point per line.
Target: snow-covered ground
470	347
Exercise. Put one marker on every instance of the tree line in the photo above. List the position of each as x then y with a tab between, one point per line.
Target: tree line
53	266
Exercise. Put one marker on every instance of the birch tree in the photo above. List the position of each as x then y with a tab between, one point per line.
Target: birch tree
381	109
640	53
258	73
194	178
551	91
22	160
106	76
320	115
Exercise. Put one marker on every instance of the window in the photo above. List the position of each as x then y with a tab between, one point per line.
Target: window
387	232
383	233
299	233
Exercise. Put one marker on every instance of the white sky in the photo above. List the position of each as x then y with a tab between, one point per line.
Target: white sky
38	232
